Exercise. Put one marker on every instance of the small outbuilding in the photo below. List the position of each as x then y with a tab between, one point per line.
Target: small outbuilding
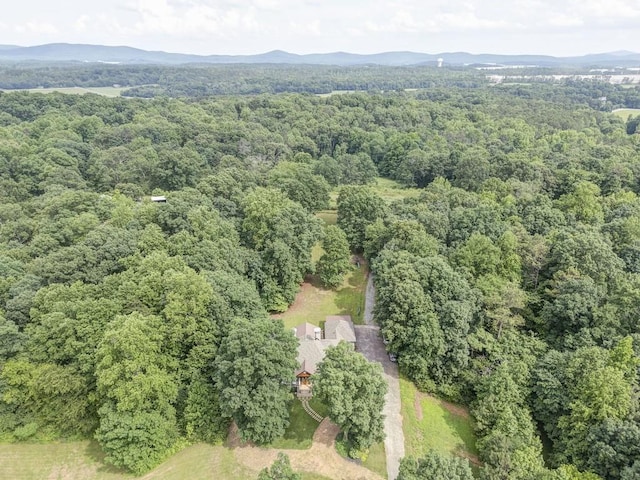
339	327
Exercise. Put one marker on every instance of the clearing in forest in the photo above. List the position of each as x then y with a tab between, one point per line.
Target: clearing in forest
83	460
624	113
104	91
390	190
430	423
315	302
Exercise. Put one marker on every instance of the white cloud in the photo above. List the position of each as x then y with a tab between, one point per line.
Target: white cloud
36	27
81	23
564	20
302	26
192	20
429	21
609	9
305	28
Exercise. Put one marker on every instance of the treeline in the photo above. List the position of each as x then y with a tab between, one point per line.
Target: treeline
598	95
511	283
243	79
199	81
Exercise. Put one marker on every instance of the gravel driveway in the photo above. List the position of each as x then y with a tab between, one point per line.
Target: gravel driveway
369	343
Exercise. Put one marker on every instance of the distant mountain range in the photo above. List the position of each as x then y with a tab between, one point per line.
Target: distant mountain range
64	52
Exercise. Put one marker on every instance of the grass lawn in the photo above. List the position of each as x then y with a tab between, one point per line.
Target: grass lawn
377	460
314	302
624	113
429	423
390	190
329	217
84	461
387	189
301	428
105	91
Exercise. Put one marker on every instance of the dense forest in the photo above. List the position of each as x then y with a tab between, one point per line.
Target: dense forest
203	80
510	284
191	81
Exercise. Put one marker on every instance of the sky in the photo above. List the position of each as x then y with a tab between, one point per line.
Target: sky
551	27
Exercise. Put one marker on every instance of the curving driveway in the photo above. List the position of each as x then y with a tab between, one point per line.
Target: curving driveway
369	343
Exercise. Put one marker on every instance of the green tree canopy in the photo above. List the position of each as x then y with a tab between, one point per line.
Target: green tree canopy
255	366
353	388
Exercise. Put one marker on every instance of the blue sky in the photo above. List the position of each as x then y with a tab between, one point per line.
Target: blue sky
555	27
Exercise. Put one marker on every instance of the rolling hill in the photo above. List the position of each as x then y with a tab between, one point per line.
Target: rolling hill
64	52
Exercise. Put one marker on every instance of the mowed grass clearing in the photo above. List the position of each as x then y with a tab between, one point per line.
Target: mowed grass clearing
430	423
329	217
84	461
387	189
299	433
390	190
104	91
377	460
624	113
314	302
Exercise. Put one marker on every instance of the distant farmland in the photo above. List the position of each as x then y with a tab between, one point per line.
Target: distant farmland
105	91
624	113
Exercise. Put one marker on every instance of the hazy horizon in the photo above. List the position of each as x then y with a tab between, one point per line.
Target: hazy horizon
323	53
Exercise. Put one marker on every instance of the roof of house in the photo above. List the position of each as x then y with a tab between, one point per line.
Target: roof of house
311	348
311	353
339	327
307	331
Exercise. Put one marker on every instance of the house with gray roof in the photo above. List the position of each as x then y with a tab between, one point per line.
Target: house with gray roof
312	343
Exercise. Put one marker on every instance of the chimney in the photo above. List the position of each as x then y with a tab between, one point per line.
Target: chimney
317	333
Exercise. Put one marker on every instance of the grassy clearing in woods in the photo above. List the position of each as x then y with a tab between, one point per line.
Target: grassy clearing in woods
314	302
84	461
390	190
104	91
299	434
430	423
624	113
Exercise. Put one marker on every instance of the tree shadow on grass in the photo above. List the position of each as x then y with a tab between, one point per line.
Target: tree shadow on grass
314	280
96	455
347	302
463	428
299	433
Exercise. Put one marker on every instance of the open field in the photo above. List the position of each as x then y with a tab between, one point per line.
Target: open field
430	423
83	461
387	189
105	91
337	92
314	302
624	113
329	217
299	434
390	190
377	460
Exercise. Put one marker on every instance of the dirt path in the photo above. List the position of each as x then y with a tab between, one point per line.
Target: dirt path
321	458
